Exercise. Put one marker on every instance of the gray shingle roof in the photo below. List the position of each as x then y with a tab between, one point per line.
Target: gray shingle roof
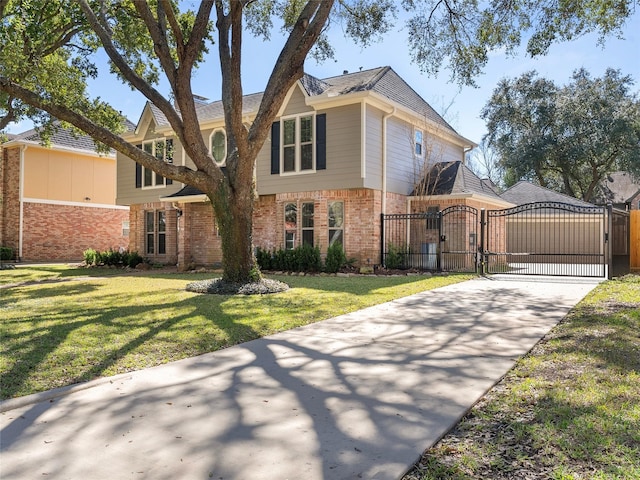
526	192
61	138
449	178
619	187
382	80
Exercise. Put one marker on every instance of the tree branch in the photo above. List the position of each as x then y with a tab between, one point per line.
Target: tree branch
179	173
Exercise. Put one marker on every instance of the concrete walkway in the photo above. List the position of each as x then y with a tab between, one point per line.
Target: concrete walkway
357	396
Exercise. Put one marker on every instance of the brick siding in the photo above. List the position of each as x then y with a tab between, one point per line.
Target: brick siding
63	232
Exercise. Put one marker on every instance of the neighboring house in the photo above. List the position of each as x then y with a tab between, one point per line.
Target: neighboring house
343	151
621	190
58	201
525	192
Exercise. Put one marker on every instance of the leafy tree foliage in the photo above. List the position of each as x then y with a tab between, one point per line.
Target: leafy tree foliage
48	51
567	138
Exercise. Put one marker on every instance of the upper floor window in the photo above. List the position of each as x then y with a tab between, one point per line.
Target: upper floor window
418	143
298	144
218	143
162	149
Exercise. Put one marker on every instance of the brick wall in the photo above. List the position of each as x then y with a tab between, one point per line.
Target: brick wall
362	209
63	232
138	232
10	198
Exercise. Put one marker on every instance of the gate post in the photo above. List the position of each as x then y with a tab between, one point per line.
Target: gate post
382	240
609	241
483	223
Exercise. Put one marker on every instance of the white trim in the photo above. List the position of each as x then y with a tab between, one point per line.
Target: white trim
23	148
74	204
460	196
59	148
213	132
186	199
298	144
363	139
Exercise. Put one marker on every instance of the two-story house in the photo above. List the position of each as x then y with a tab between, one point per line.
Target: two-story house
342	151
58	200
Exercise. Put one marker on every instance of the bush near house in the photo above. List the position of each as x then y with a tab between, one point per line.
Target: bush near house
112	257
6	253
304	258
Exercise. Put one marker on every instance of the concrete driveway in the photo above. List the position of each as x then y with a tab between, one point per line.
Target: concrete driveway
357	396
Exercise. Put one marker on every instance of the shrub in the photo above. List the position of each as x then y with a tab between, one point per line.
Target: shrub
309	259
396	256
6	253
264	259
132	259
90	256
336	259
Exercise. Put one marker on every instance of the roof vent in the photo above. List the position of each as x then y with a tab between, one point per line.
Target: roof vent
344	72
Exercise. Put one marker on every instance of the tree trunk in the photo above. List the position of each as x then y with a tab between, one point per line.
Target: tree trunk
233	210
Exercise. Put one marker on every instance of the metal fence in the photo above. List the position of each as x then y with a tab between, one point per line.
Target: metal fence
433	241
545	238
542	238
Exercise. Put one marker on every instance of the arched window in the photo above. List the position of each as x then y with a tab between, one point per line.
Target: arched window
219	146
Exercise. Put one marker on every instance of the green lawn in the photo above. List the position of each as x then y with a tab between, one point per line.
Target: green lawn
569	410
61	325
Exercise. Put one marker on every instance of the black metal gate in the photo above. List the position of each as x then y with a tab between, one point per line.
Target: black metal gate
545	238
431	241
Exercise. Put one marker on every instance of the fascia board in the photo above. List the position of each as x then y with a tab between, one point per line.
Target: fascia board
463	196
59	148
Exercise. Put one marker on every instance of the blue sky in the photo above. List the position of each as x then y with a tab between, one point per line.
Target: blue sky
463	114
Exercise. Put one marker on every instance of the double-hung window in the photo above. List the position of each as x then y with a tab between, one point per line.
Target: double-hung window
155	232
298	144
294	229
162	149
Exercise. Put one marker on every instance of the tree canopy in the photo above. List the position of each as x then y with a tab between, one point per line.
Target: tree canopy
48	54
567	138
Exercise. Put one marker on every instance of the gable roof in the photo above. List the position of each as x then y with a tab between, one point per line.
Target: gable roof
619	187
527	192
383	81
450	178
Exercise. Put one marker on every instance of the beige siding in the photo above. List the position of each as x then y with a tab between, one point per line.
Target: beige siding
68	177
373	148
403	167
343	158
127	193
296	104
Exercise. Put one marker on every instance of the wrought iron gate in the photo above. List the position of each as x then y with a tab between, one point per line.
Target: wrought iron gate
432	241
545	238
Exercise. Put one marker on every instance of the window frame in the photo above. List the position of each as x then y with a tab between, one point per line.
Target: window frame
153	176
298	144
156	237
418	145
335	228
223	162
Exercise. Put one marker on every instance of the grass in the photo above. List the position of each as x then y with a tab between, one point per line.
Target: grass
569	410
61	325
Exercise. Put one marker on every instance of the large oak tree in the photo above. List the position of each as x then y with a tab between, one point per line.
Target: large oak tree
567	138
48	47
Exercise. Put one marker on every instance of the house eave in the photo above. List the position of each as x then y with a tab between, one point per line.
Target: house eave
463	196
59	148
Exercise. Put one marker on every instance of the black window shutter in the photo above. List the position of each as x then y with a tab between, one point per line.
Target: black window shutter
275	148
138	172
321	142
